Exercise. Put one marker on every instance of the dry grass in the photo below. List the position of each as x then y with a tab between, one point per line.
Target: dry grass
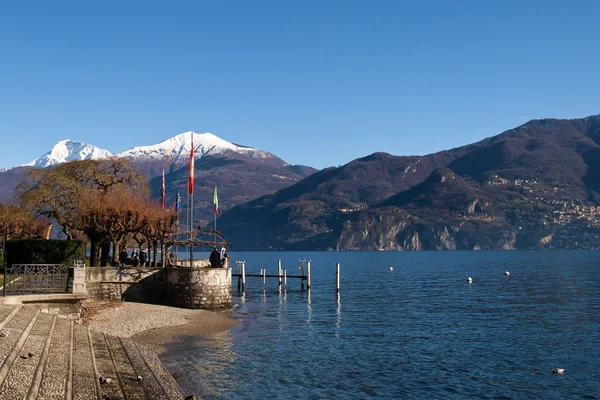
92	308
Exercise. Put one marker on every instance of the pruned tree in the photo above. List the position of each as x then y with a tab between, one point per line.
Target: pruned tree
158	225
77	195
17	222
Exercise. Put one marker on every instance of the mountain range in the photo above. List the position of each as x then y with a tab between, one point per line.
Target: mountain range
241	173
534	186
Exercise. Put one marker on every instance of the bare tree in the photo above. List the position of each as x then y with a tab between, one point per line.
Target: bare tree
78	194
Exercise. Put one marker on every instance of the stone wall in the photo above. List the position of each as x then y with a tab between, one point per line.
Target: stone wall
144	285
205	288
67	310
198	287
203	263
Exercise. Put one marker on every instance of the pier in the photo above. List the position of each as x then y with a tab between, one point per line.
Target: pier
281	275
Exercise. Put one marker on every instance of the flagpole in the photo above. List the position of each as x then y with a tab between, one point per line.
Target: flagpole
187	219
216	204
191	227
177	221
192	205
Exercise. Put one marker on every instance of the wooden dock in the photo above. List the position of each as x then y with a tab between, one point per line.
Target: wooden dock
281	275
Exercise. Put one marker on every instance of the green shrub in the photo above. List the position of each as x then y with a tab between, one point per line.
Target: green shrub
39	251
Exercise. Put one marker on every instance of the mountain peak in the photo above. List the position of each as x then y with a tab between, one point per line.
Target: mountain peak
177	148
68	150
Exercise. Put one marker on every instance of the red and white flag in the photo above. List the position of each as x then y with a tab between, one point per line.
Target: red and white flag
191	169
162	190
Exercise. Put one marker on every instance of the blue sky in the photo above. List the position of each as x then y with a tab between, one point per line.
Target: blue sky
315	82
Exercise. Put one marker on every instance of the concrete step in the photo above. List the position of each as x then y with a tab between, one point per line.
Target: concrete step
4	312
36	382
127	375
67	360
20	374
18	330
56	373
105	368
12	325
85	379
150	384
160	372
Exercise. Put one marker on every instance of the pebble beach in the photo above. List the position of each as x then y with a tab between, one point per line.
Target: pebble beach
153	325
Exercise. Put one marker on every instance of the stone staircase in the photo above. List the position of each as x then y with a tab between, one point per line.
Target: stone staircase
43	356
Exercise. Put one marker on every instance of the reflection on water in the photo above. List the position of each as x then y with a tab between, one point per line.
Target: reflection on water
207	377
419	332
338	313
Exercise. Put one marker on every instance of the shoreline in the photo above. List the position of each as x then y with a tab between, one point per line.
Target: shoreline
153	325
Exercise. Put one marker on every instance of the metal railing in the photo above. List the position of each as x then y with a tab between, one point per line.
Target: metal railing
22	279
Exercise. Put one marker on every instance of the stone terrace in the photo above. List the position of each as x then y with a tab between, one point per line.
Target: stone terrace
43	356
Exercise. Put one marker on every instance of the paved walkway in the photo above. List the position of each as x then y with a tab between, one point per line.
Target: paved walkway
46	357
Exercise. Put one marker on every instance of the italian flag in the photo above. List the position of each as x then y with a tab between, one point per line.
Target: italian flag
216	201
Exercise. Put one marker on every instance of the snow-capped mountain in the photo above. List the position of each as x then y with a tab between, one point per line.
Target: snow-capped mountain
68	150
177	149
233	168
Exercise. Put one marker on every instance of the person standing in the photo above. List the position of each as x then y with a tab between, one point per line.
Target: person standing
215	258
123	257
143	258
225	261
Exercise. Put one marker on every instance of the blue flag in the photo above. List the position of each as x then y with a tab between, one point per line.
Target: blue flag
178	201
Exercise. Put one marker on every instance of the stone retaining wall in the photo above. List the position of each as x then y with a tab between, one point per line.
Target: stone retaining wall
198	287
63	310
144	285
205	288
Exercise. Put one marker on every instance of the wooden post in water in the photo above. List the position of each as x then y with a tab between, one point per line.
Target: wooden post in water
301	275
285	277
239	271
279	271
308	275
244	276
337	277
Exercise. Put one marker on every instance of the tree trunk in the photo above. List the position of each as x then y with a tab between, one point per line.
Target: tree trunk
155	251
105	252
94	253
116	251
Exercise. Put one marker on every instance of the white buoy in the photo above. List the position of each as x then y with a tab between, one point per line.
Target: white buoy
557	370
390	268
470	280
507	273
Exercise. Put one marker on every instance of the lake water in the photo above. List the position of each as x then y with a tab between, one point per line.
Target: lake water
419	331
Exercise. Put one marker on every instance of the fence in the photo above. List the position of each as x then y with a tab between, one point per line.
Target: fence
23	279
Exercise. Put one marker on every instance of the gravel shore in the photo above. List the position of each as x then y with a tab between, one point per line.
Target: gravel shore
153	325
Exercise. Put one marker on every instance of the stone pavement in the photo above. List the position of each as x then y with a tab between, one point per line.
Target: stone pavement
43	356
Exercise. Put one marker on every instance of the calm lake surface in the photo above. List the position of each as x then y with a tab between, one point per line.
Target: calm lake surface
419	331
